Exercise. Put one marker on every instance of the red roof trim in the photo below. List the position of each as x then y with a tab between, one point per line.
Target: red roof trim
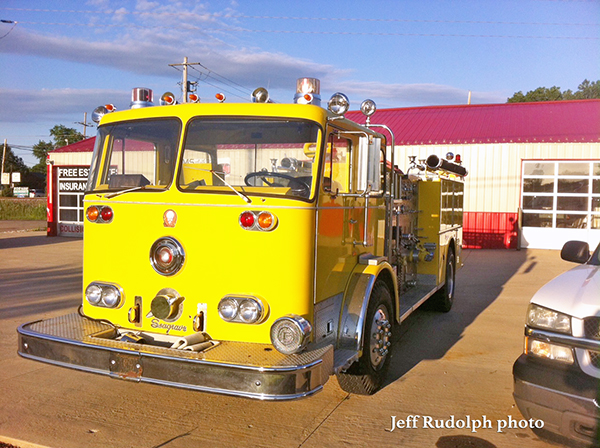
86	145
553	121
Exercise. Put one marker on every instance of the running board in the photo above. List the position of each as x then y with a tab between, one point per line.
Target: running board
414	298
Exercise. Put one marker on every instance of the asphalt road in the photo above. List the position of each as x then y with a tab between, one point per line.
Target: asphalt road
445	368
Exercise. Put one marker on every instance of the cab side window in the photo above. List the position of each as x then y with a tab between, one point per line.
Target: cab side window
336	177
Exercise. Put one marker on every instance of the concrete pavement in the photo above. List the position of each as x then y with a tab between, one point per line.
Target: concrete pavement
444	366
22	226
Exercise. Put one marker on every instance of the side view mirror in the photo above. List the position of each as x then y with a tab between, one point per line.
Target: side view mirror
575	251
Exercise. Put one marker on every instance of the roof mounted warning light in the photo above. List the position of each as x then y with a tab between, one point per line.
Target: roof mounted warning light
308	91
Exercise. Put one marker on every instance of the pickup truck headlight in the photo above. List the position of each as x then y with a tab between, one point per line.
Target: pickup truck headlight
549	351
544	318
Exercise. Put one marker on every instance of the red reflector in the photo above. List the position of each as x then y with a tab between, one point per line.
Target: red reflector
106	213
247	219
164	256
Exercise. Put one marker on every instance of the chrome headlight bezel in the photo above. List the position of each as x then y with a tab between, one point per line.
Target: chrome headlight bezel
547	319
173	249
290	334
105	295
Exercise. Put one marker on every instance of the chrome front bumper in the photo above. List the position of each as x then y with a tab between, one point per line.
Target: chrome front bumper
241	369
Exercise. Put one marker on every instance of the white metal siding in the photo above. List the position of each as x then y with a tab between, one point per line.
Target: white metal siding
494	180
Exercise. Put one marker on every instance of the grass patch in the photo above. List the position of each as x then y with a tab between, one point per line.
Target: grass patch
25	209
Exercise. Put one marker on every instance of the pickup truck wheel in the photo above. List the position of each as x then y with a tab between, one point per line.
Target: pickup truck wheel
365	376
444	298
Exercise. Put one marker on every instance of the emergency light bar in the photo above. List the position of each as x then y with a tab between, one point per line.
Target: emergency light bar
308	91
141	97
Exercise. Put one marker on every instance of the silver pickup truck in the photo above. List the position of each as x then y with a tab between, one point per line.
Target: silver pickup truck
557	378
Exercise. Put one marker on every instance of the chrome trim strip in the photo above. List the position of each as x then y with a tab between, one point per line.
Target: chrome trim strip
263	397
563	339
243	206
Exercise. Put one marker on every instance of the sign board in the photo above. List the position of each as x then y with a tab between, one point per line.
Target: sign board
16	178
5	179
21	192
71	187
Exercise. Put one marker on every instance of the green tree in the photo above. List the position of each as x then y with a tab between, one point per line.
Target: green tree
61	136
12	164
586	90
40	150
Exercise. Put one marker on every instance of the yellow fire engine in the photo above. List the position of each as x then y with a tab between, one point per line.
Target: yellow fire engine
253	249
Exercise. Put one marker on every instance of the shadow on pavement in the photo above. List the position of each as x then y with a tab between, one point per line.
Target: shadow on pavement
27	240
429	335
20	292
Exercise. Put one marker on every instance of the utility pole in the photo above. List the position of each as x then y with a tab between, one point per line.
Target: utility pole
184	86
3	160
85	124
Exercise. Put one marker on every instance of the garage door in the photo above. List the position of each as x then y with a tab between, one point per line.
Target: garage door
560	200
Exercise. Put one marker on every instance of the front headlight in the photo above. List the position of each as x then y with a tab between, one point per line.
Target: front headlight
544	318
247	310
103	294
549	351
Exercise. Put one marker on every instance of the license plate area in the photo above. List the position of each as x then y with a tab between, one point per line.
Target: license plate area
126	366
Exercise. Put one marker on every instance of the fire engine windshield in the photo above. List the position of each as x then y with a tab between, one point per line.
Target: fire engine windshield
136	155
262	157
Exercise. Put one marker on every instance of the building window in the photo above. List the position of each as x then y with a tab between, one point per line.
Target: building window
561	194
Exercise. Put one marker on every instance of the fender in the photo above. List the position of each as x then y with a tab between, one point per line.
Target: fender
356	299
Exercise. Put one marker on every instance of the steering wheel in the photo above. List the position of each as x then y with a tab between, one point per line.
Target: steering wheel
301	186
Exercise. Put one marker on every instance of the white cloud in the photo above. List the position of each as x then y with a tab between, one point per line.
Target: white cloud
403	95
54	104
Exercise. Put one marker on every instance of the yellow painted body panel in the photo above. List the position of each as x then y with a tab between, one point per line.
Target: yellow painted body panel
436	226
222	259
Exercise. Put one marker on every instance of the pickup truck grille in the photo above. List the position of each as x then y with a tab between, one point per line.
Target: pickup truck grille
591	327
595	358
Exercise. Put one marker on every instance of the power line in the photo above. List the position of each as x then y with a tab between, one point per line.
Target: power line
330	33
227	82
11	28
333	19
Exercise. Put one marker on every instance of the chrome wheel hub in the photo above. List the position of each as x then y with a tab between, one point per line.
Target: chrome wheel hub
380	337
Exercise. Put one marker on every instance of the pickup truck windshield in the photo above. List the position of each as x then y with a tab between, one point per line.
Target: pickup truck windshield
135	155
254	156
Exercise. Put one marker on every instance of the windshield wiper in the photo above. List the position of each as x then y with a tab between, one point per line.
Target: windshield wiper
118	193
242	195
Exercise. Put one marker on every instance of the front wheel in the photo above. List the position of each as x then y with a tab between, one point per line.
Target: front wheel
365	376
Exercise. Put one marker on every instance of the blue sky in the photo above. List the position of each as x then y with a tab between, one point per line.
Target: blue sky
62	59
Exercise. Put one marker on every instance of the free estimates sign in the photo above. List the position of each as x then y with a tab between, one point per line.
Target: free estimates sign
71	187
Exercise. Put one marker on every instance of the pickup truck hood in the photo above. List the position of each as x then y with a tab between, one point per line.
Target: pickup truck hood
576	292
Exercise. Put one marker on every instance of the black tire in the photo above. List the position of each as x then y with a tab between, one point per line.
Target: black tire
365	376
444	298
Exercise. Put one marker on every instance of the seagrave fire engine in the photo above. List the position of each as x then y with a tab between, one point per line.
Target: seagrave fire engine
253	249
